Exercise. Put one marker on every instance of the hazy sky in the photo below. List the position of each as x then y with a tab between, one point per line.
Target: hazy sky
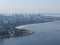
34	6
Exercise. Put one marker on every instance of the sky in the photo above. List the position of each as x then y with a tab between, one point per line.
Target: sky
29	6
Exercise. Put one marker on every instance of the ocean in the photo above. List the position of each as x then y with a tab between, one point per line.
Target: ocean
47	33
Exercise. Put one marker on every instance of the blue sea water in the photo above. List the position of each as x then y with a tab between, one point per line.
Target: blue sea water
45	34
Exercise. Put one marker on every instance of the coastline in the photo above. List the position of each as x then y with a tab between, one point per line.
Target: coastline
21	26
18	31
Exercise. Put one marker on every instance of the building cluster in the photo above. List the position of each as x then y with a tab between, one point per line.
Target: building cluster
19	19
13	32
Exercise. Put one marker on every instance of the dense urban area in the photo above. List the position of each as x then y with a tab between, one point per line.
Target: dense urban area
9	22
20	19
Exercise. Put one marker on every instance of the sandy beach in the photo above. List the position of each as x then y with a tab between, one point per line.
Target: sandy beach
19	27
22	26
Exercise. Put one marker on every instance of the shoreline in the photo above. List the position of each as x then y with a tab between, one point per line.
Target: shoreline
18	31
21	26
